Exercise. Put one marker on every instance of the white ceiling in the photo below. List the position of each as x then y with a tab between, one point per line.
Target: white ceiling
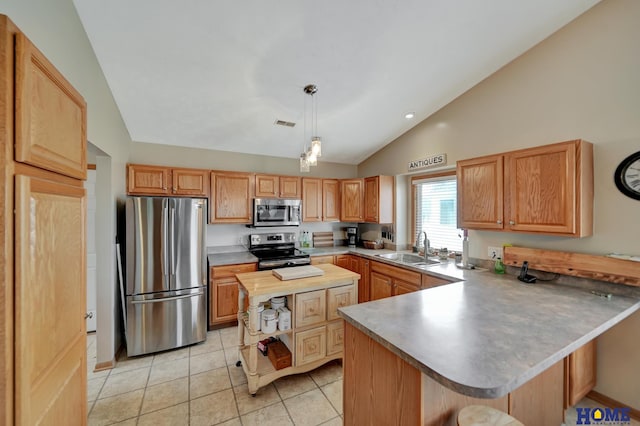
217	74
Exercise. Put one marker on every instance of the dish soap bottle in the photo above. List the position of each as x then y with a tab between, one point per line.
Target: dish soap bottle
499	266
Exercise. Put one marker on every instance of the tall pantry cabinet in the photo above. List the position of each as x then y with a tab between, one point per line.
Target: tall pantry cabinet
43	365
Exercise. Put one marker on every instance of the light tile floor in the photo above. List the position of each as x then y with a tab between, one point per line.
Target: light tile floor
200	385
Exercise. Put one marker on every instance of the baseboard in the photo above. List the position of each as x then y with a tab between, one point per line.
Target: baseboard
612	403
108	365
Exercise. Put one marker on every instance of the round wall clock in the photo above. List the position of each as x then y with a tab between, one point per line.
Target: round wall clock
627	176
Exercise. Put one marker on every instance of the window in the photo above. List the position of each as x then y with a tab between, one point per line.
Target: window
435	207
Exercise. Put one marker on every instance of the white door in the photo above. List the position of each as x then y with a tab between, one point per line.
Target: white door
90	186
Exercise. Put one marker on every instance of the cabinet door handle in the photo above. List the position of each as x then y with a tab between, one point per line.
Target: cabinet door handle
512	222
499	222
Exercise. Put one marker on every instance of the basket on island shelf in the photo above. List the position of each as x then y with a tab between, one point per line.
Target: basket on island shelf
375	245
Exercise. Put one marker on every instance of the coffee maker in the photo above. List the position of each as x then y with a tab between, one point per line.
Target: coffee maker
352	236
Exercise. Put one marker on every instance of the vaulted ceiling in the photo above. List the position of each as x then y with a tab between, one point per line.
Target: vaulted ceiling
218	74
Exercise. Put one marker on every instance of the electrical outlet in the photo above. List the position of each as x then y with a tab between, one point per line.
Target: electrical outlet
494	252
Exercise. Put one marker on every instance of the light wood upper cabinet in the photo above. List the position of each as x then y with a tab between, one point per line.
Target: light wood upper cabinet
378	199
352	200
50	115
271	186
190	182
545	190
267	186
311	200
231	197
481	193
143	179
320	200
147	180
330	200
290	187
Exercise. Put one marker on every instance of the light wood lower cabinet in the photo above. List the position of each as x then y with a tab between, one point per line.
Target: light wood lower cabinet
339	297
316	336
319	260
223	292
416	399
311	345
429	281
335	337
580	373
50	223
311	308
386	280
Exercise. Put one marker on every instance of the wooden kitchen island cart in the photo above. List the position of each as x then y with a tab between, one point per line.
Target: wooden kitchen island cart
316	335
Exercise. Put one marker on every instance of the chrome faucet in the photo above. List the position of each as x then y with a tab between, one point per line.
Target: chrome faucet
426	246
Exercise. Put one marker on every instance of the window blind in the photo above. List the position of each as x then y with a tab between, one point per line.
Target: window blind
435	212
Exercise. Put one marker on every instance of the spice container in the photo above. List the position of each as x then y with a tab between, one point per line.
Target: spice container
269	321
284	319
278	302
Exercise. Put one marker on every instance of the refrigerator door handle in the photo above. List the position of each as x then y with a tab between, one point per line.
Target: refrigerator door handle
172	236
164	241
166	299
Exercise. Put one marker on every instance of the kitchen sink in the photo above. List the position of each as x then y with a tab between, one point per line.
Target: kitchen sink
411	259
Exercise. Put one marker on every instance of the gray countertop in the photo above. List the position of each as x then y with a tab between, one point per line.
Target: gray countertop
490	334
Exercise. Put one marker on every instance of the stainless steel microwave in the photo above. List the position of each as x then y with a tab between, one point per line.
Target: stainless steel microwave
276	212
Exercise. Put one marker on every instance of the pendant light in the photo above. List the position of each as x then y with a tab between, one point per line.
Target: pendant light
310	157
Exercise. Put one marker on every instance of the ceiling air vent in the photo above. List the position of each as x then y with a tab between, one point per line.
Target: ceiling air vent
285	123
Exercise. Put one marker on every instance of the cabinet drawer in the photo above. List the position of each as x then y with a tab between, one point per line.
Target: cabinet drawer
310	308
335	337
394	272
338	297
232	270
311	345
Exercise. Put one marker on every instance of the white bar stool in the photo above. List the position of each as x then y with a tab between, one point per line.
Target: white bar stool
481	415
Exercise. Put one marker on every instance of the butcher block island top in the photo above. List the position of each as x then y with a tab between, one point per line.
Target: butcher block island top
315	333
263	283
488	337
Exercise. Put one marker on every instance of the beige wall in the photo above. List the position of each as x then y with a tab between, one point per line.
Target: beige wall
54	27
146	153
582	82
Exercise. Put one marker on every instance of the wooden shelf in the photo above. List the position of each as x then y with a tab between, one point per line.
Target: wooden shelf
594	267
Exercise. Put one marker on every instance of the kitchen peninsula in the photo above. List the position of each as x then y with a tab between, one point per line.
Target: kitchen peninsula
316	335
489	340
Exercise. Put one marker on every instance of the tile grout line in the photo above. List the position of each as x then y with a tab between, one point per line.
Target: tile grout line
284	405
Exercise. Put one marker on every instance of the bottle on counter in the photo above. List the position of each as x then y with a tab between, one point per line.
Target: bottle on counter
499	266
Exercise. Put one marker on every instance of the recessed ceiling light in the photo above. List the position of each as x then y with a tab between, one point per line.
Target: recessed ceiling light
410	115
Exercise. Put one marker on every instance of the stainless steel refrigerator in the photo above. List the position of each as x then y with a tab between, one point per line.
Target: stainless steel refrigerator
165	273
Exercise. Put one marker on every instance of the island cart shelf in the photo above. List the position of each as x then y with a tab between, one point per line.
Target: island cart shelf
317	332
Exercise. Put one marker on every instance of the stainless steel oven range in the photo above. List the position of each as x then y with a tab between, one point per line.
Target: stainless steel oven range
277	250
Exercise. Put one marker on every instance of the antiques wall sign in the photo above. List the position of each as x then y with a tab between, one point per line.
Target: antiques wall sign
428	162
